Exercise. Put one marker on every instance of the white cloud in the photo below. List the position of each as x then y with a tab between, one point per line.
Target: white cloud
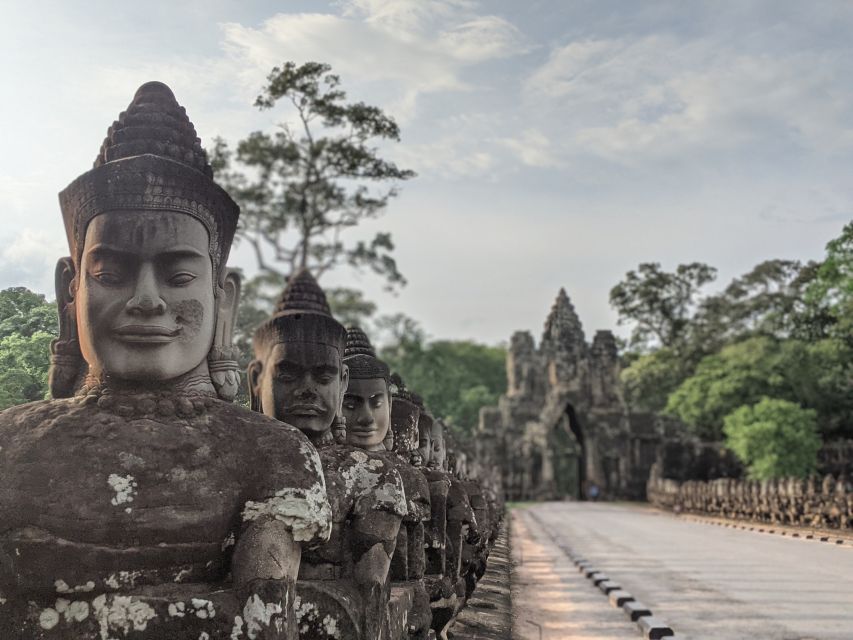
533	148
401	50
632	98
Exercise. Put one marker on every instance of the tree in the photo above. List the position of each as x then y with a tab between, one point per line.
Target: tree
769	300
25	313
816	375
24	363
650	378
830	294
658	303
455	378
774	438
28	323
303	186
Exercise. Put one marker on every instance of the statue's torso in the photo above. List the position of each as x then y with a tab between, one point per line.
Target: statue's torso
108	498
357	482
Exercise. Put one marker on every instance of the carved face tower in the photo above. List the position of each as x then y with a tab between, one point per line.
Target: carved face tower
149	233
298	375
367	402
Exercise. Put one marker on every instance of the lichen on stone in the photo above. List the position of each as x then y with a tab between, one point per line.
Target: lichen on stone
306	513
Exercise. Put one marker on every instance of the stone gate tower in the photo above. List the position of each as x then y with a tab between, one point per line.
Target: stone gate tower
562	429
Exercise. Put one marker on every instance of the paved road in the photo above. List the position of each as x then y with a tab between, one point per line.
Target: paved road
708	582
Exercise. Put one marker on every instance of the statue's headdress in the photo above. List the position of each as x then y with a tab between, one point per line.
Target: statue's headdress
151	160
302	314
360	357
404	417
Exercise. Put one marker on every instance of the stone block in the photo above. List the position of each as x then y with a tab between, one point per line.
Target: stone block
608	585
654	628
620	597
598	578
588	571
636	609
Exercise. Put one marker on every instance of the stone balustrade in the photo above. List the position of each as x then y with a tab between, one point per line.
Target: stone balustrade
823	503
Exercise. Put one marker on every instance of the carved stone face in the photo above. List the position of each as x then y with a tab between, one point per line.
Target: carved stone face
438	456
144	295
367	408
424	443
300	383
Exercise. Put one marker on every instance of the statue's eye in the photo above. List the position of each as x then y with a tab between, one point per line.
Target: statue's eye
108	278
181	279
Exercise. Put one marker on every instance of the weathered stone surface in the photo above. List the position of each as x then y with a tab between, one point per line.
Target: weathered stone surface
129	503
562	429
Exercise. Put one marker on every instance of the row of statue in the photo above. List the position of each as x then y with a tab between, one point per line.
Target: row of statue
826	503
142	502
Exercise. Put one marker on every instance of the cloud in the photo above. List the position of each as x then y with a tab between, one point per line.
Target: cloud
533	148
632	98
398	51
28	258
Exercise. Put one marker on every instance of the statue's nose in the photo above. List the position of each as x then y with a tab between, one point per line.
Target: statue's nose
146	297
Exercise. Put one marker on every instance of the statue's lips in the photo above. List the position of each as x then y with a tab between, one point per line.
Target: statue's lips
362	431
306	410
148	333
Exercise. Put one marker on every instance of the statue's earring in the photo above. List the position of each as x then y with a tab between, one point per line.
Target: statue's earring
388	441
339	429
222	359
67	366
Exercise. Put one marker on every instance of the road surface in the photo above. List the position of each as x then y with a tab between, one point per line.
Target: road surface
707	582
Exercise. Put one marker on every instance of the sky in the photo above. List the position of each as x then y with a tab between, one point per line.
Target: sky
558	143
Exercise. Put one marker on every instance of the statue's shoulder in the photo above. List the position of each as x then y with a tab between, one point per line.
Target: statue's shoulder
39	413
280	448
371	478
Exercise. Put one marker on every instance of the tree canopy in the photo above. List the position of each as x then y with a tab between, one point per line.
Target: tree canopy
319	175
28	323
455	377
774	438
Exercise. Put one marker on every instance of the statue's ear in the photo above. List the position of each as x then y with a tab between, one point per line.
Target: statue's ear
222	360
344	386
66	362
253	380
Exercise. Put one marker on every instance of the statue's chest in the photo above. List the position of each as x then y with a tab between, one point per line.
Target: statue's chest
104	479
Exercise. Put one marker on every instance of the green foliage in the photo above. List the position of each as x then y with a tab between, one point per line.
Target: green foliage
455	378
24	312
28	323
816	375
301	187
830	294
658	303
650	378
774	438
768	300
24	362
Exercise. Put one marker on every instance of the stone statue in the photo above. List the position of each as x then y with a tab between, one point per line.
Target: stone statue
368	411
144	504
298	376
460	522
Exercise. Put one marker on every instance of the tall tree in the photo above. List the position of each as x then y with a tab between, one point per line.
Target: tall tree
659	303
319	175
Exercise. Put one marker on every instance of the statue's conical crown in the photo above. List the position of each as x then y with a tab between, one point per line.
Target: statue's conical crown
151	160
360	357
302	314
358	344
302	295
154	123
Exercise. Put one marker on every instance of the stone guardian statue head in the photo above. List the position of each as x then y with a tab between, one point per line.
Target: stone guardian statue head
367	402
145	296
298	375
